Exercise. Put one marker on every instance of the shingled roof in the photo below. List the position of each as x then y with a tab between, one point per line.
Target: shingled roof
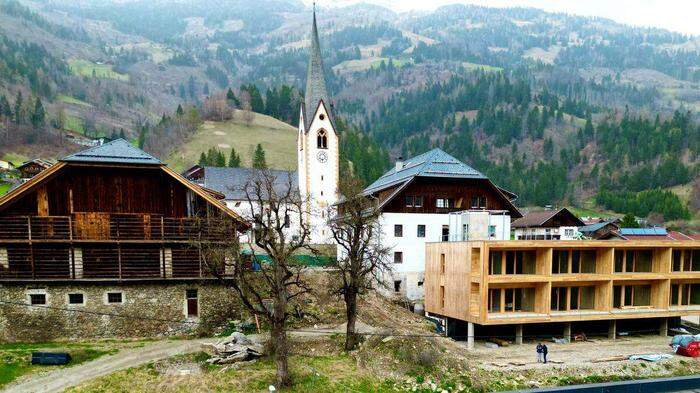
118	151
435	163
543	218
316	90
232	181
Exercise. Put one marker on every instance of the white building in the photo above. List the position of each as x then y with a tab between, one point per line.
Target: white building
427	199
548	225
318	158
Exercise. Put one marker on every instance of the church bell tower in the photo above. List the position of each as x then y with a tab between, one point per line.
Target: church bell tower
317	143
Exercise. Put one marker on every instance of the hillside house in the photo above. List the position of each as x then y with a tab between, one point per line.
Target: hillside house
421	198
112	230
31	168
534	288
547	225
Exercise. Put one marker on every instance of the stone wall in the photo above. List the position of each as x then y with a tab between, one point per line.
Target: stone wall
153	309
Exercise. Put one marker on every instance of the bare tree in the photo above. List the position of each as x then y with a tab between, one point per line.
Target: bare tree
362	258
216	107
267	288
246	108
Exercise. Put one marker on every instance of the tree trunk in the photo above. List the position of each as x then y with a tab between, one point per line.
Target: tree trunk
351	337
279	340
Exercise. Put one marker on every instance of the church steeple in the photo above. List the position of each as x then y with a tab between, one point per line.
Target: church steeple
315	79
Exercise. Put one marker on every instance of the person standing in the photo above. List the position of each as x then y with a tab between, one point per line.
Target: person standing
544	353
539	352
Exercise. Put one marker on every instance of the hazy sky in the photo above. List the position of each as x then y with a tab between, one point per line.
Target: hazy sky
677	15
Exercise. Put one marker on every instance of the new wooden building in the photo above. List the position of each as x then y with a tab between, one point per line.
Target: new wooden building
529	285
103	222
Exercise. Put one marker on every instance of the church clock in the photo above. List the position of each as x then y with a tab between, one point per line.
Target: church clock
322	156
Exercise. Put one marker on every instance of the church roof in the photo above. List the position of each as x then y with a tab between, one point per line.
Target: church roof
435	163
118	151
316	90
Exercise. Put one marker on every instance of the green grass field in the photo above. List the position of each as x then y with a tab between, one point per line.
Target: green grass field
4	187
72	100
16	357
86	68
15	158
277	138
74	124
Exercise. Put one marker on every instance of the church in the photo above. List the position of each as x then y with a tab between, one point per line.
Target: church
318	156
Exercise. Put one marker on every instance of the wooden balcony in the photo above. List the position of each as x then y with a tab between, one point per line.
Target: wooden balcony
112	227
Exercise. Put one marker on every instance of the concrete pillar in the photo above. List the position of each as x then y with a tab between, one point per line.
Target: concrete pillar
567	331
612	329
663	327
519	334
470	336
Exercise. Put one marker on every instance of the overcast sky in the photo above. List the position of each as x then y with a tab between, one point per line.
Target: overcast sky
677	15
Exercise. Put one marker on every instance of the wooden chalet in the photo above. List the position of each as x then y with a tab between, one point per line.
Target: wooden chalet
113	213
31	168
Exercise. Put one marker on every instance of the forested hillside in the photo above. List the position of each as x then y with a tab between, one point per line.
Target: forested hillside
559	109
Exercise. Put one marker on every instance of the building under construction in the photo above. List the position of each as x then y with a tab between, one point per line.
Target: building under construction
535	288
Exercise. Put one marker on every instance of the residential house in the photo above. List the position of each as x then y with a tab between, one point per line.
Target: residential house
416	199
113	231
31	168
547	225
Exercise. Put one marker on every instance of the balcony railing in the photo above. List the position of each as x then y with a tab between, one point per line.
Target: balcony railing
114	227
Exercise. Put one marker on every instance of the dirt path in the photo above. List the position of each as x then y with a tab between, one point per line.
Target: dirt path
58	380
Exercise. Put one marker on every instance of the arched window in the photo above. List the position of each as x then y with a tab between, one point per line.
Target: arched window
322	140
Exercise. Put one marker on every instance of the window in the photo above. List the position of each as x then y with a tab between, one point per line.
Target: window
192	303
420	230
409	200
465	232
115	298
76	298
37	299
568	232
631	296
478	202
445	233
398	230
442	296
398	257
418	201
321	116
633	261
287	222
686	260
511	299
442	263
685	294
492	231
512	262
445	203
322	140
397	285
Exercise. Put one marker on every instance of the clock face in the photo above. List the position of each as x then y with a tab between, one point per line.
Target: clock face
322	156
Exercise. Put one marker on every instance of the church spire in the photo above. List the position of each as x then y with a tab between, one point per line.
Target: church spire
315	78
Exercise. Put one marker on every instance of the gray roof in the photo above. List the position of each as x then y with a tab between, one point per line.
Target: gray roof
118	151
435	163
594	227
316	90
232	181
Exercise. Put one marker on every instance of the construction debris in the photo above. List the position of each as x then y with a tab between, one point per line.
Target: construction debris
501	342
235	348
618	358
651	357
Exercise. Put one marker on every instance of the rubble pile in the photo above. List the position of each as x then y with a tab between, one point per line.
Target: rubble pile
235	348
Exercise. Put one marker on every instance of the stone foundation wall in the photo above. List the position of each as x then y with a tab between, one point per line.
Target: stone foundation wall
157	309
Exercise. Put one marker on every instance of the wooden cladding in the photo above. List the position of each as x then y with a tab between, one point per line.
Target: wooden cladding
505	282
446	195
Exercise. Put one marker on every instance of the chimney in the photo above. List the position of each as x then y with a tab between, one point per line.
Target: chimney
399	163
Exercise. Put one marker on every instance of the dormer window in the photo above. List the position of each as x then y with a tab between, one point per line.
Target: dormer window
322	140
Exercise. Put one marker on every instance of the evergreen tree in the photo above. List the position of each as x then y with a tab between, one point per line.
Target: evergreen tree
5	108
232	99
220	159
203	160
179	112
628	221
38	117
19	110
259	158
234	160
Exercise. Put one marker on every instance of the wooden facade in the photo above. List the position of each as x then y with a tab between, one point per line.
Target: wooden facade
109	221
520	282
445	195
